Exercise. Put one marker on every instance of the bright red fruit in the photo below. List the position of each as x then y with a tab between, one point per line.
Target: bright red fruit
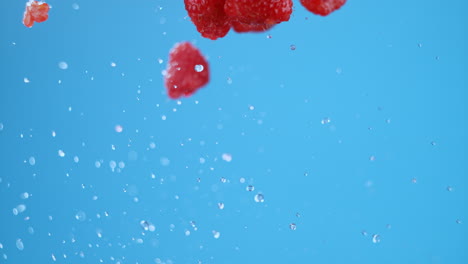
257	15
35	12
209	17
187	70
322	7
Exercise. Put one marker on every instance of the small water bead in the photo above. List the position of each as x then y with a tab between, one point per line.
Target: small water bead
223	180
292	226
24	195
414	180
26	80
221	206
458	221
145	225
80	216
199	68
61	153
21	208
32	161
376	238
1	126
63	65
292	47
325	120
19	244
227	157
216	234
118	128
112	165
250	188
364	233
97	164
75	6
259	198
113	64
242	180
449	188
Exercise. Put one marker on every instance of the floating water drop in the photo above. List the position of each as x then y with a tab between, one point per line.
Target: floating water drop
199	68
118	128
376	238
292	226
250	188
80	216
292	47
227	157
63	65
61	153
259	198
19	244
216	234
32	161
75	6
221	206
325	120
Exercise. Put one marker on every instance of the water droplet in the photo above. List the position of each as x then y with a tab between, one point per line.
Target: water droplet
199	68
118	128
21	208
364	233
376	238
80	216
268	36
19	244
414	180
26	80
216	234
292	47
372	158
61	153
145	225
433	143
259	198
250	188
32	161
221	206
223	180
112	165
242	180
63	65
292	226
97	164
113	64
24	195
1	126
449	188
325	120
75	6
227	157
458	221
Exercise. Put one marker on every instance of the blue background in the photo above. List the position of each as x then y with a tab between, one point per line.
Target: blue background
391	77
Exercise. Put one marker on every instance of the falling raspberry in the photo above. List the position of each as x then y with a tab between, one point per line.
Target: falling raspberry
257	15
322	7
35	12
209	17
187	70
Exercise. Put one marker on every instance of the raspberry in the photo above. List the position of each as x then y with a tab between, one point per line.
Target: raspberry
209	17
35	12
187	70
257	15
322	7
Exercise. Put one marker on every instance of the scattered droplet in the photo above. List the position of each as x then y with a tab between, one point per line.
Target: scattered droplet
24	195
250	188
268	36
118	128
63	65
242	180
364	233
414	180
19	244
227	157
61	153
458	221
216	234
433	143
1	126
325	120
372	158
292	226
75	6
199	68
113	64
292	47
145	225
221	206
259	198
32	161
376	238
26	80
449	188
80	216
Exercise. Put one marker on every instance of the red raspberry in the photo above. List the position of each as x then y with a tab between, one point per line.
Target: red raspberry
187	70
322	7
257	15
35	12
209	17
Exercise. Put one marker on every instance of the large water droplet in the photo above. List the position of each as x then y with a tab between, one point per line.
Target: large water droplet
199	68
259	198
376	238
